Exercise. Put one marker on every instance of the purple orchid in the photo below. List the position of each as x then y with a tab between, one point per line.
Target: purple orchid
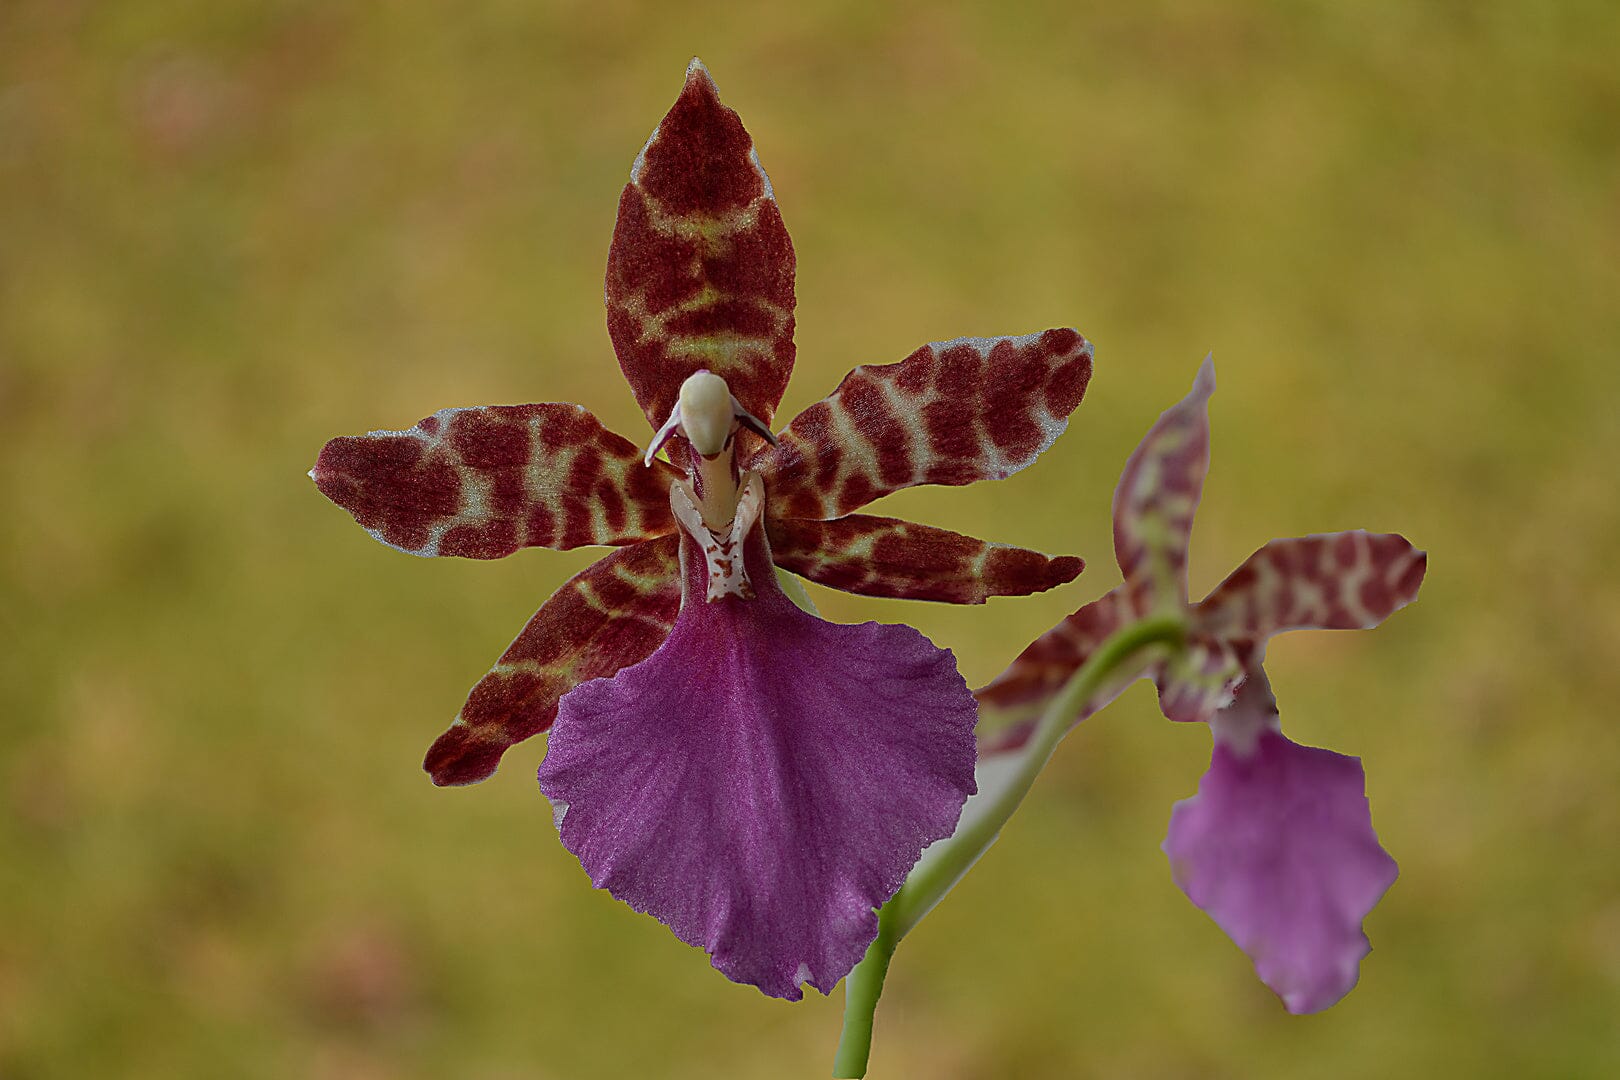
756	778
1278	845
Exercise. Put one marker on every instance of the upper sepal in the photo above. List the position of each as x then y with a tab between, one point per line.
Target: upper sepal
483	482
700	271
1157	496
953	412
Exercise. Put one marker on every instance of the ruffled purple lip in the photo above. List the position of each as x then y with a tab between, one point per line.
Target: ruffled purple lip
1278	848
765	779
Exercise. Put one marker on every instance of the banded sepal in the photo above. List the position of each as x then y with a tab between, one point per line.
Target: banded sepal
1047	662
700	272
952	412
1012	702
611	614
1157	496
1329	581
483	482
882	556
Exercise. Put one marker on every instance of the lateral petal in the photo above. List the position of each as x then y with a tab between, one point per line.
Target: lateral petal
1157	496
483	482
765	780
1278	848
612	614
952	412
883	556
700	272
1329	581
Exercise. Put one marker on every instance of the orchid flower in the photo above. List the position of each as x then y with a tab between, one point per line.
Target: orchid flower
754	777
1278	845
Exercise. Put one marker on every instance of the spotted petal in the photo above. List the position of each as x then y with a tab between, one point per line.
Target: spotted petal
611	614
1331	581
482	483
700	272
1157	496
952	412
765	779
1011	702
1278	848
882	556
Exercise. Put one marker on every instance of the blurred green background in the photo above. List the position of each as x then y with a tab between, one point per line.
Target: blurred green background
229	231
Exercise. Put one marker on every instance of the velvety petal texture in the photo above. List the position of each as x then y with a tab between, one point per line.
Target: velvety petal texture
883	556
612	614
953	412
483	482
700	272
1278	848
765	779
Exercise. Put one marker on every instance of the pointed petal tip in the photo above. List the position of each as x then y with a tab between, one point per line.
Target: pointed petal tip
1204	381
697	74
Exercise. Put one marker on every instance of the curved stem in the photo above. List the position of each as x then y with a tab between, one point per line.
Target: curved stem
862	989
939	872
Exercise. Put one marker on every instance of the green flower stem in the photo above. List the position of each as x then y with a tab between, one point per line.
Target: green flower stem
1119	655
862	988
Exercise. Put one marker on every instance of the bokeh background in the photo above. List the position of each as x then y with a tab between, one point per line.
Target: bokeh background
229	231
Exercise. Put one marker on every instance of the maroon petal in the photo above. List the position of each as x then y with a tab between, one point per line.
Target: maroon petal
700	273
1331	581
1278	848
1157	496
1014	699
610	615
952	412
765	779
482	483
881	556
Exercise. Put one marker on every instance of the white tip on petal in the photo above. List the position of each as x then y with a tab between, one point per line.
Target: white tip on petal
695	69
1204	383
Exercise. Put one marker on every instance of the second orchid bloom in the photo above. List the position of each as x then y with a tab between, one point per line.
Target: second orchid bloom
753	776
1278	845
